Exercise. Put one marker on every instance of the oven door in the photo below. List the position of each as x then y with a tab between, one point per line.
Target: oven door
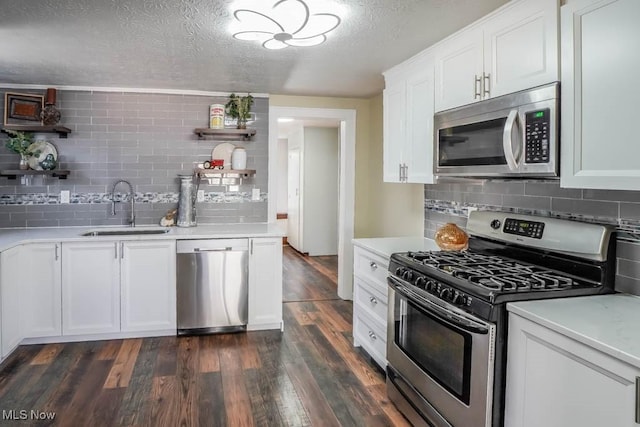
444	355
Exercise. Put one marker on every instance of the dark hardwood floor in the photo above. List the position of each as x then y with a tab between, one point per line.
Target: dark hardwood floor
310	375
308	278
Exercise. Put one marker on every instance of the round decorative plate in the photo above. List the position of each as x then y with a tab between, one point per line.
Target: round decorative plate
223	151
45	147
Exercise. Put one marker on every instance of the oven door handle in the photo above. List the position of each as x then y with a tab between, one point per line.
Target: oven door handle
455	319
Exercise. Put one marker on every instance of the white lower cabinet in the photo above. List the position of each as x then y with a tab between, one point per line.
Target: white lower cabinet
90	288
148	285
555	381
265	283
76	289
370	304
41	290
11	280
118	286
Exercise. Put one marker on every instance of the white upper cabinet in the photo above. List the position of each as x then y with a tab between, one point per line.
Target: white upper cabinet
514	48
394	105
600	65
408	121
458	70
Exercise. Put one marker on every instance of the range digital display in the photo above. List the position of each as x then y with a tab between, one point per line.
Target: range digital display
524	228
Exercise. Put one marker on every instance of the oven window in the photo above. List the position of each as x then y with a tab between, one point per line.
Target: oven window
442	351
472	145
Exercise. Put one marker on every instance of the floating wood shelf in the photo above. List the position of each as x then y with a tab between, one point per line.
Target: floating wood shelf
13	173
225	173
60	130
244	133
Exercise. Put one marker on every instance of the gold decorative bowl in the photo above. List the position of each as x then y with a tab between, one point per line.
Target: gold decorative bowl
450	237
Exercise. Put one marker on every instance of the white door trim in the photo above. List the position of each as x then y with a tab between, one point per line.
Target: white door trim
346	202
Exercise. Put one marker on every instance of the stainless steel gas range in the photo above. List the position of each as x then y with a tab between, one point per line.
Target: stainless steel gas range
447	329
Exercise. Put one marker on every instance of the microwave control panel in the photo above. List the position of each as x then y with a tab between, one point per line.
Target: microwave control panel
537	130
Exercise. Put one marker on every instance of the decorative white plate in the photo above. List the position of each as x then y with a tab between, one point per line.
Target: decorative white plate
45	148
223	151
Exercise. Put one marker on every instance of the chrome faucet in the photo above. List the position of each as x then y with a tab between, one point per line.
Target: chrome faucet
132	194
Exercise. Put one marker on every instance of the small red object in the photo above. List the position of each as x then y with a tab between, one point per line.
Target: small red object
217	163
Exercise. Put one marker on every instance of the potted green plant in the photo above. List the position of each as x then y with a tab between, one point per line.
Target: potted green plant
20	143
239	108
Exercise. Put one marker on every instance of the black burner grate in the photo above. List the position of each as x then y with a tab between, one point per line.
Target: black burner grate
493	272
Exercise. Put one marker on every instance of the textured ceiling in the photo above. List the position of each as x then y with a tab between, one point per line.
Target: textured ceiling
186	45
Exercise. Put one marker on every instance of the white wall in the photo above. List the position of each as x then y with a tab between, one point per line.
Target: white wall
321	190
281	201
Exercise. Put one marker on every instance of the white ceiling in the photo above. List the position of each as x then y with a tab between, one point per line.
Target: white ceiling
186	45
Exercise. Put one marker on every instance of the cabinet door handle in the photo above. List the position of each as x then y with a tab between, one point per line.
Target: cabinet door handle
477	91
56	252
373	300
372	335
400	172
637	400
486	84
406	171
121	250
115	245
373	265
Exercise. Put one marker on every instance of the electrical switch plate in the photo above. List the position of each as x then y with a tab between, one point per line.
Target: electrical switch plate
201	195
64	196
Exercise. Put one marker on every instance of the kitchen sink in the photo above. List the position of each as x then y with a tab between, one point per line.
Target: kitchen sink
130	232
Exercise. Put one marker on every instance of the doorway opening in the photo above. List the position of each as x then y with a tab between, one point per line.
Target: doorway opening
344	119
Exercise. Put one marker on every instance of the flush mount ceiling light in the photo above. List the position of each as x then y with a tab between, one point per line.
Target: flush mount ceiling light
286	23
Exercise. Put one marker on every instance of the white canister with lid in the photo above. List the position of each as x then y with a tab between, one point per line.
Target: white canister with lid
239	159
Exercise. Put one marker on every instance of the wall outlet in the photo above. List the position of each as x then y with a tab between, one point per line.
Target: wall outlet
64	196
255	194
201	195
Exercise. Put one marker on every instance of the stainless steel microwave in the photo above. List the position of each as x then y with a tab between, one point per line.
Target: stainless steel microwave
513	135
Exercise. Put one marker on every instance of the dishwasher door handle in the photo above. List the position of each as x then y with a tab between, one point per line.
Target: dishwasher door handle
227	249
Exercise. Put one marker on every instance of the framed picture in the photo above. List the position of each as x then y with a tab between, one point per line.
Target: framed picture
22	108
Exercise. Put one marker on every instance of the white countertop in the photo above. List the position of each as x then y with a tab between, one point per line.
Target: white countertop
10	237
609	323
385	246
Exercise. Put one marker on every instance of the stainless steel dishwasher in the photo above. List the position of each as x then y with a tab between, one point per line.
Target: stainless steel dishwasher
212	281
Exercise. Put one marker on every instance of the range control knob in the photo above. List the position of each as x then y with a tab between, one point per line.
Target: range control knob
407	275
445	293
399	271
495	224
457	298
421	282
431	286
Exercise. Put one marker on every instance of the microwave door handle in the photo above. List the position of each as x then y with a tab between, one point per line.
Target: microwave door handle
507	142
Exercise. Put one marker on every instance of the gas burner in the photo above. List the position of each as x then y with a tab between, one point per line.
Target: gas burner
493	273
544	280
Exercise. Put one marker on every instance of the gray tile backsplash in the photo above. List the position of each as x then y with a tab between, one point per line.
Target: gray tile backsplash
144	138
451	202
